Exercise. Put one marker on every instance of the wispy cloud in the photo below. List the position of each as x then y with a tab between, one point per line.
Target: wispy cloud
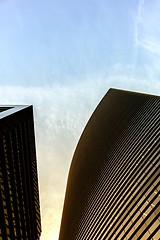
147	33
147	40
151	46
138	19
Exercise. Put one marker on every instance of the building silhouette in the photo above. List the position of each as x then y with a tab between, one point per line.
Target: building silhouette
19	195
113	183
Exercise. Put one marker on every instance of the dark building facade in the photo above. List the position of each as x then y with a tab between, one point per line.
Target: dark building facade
19	195
113	184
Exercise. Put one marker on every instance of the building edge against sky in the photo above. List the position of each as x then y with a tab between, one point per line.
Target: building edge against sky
19	194
113	182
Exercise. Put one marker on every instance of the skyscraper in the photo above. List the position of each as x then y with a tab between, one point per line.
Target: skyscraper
19	195
113	184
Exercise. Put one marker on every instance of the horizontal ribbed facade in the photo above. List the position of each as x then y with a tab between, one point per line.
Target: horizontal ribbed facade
19	195
113	184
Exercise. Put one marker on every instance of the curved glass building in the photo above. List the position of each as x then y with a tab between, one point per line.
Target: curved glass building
113	184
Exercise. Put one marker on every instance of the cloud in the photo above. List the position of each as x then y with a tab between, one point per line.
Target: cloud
138	19
147	40
147	26
151	46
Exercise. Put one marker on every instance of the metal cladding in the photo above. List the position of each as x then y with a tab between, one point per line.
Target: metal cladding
113	183
19	195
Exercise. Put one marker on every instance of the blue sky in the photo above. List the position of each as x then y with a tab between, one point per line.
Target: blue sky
57	41
62	57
